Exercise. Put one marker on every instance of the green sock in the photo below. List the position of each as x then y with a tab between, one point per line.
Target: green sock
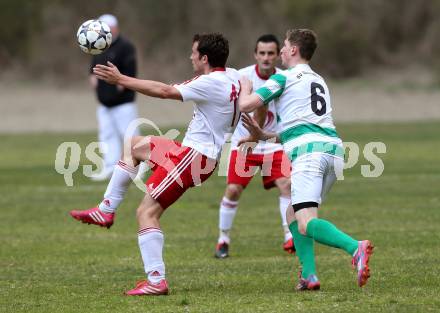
328	234
304	249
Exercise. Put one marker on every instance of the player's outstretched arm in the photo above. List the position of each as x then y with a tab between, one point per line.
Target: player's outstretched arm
247	100
111	75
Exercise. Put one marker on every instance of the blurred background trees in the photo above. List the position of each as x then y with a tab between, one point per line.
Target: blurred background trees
37	38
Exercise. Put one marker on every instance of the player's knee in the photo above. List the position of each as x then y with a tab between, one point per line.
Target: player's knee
140	145
147	213
136	148
302	227
233	192
128	144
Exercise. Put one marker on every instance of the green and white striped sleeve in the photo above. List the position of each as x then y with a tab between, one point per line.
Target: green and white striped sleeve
272	88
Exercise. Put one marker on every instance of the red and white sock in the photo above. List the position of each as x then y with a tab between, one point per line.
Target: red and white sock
151	241
228	209
284	204
122	176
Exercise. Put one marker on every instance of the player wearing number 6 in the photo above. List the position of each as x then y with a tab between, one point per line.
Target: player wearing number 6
176	166
310	140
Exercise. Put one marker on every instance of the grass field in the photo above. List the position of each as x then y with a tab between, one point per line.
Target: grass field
51	263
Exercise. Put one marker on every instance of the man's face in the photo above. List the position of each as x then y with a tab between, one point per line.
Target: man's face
115	31
266	55
197	62
287	52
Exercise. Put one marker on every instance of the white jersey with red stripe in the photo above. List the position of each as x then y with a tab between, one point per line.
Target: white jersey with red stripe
216	110
270	124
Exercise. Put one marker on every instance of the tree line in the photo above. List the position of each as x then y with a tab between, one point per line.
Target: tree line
38	37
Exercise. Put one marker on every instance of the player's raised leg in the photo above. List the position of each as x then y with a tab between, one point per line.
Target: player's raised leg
228	209
125	171
151	242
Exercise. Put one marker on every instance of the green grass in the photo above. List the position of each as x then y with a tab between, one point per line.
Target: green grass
51	263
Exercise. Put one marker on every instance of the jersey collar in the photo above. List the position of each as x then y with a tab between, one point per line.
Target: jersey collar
261	76
218	69
301	65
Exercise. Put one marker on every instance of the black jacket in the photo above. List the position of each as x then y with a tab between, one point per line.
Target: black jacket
122	54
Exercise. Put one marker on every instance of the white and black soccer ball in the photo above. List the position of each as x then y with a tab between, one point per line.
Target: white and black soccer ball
94	37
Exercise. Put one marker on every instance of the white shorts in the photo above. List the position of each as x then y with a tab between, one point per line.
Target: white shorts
312	177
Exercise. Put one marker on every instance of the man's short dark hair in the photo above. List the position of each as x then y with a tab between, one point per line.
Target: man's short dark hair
215	46
267	38
306	41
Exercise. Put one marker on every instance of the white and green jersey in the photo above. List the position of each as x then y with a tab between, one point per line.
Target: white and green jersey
303	107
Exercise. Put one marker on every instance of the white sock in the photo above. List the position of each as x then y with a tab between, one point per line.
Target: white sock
224	237
228	209
151	245
284	204
122	176
287	233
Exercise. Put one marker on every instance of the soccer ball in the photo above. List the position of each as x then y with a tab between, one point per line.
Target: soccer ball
94	37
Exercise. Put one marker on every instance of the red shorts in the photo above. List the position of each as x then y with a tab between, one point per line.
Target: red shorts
175	169
243	167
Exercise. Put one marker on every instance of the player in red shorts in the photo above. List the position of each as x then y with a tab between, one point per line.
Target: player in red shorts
268	156
176	166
